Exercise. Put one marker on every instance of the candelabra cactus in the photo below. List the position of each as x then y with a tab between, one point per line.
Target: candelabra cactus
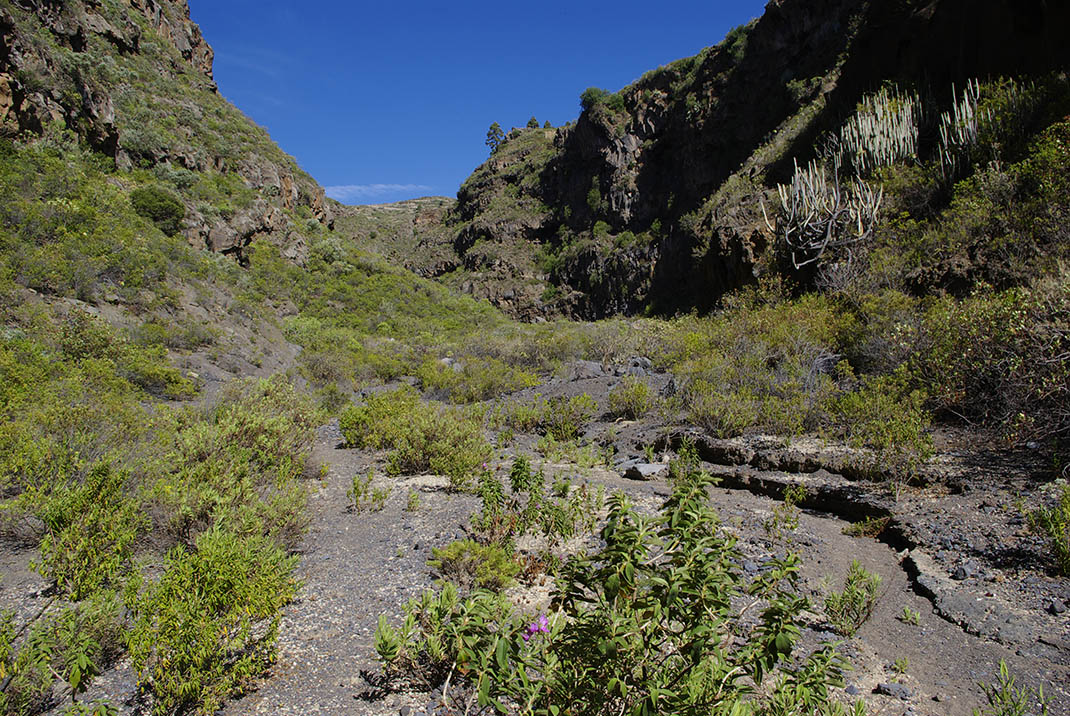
883	131
816	214
960	129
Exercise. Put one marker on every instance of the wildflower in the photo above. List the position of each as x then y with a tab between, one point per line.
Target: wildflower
539	626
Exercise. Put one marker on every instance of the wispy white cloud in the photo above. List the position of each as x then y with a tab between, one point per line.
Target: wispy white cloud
350	192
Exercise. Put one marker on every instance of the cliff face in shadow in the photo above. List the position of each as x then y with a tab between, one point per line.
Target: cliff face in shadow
650	200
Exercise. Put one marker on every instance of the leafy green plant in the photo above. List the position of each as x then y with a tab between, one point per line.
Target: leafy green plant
1054	524
159	206
69	646
785	517
239	465
886	416
1006	699
528	508
478	379
209	625
359	491
379	497
867	527
640	628
420	436
91	530
565	418
910	616
469	564
412	503
631	399
848	610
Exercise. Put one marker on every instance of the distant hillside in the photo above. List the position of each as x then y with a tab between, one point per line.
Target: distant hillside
134	79
650	200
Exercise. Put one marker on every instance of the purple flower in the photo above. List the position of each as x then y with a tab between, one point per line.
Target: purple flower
539	626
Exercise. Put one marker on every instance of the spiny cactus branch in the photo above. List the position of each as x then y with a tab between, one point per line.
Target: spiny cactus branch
815	215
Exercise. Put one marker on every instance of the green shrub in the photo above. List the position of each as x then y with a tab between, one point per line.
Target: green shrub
72	645
469	565
1053	523
565	418
238	465
766	362
592	97
631	399
638	629
159	206
848	610
996	358
884	415
1006	699
421	437
478	379
503	519
363	496
209	625
90	533
523	417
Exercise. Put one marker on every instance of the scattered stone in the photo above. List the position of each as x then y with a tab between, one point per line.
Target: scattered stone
749	567
405	711
670	388
966	570
895	690
1056	606
645	471
853	690
584	369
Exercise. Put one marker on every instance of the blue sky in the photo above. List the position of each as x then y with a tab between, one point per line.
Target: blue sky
387	101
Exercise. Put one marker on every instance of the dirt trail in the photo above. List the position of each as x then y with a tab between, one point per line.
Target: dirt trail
355	567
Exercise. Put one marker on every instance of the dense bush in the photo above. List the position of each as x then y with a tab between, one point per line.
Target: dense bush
641	627
91	530
159	206
766	362
631	399
884	415
469	564
236	466
595	97
565	418
209	625
474	379
420	436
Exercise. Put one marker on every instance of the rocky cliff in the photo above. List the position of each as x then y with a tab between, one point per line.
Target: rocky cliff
650	200
134	78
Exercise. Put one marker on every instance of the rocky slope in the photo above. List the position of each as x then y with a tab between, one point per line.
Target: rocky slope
650	199
134	79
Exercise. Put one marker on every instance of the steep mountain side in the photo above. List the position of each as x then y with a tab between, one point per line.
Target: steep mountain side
651	199
134	79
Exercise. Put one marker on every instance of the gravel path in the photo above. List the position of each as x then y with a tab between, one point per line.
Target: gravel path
356	567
